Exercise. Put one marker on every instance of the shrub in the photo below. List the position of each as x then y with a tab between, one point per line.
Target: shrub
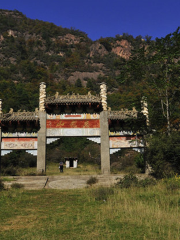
172	183
139	161
132	181
31	174
128	181
11	171
92	180
17	185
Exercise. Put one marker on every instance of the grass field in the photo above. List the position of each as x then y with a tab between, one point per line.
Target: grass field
91	213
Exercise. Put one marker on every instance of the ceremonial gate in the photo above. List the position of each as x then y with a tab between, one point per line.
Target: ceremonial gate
72	115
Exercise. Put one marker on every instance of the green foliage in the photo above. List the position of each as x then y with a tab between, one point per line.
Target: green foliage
72	144
22	97
78	83
139	161
164	77
154	67
10	171
128	181
91	85
8	179
172	184
132	181
125	36
16	185
18	158
12	162
147	182
124	161
106	42
163	154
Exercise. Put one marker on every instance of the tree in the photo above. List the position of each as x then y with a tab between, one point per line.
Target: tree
156	67
78	83
163	154
164	65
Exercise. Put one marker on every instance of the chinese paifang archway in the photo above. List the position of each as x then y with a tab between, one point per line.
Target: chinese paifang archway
72	115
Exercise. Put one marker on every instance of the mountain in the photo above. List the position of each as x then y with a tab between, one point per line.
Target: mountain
28	47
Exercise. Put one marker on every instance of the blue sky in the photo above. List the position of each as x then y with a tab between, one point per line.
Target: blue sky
104	18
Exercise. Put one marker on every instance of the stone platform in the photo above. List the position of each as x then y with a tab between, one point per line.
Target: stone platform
66	181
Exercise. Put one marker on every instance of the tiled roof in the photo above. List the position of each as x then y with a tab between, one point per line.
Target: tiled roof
19	116
123	114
